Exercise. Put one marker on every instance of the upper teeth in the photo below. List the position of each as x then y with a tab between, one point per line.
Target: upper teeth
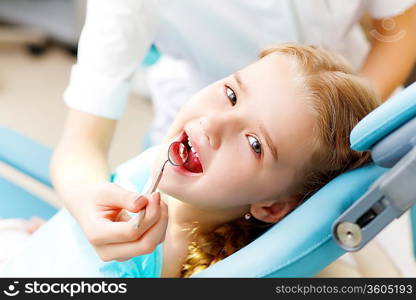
192	148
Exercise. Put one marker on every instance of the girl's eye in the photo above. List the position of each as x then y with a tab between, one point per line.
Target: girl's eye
254	144
231	96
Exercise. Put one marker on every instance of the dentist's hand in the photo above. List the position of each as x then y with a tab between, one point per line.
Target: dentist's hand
80	171
112	231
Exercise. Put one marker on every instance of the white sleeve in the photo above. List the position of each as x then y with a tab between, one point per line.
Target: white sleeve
116	36
380	9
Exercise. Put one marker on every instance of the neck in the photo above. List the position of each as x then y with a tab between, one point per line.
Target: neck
183	216
184	221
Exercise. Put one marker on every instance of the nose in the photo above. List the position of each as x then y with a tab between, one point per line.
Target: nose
219	127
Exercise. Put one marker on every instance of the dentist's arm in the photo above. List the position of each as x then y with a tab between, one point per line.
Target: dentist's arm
393	52
81	156
80	173
115	38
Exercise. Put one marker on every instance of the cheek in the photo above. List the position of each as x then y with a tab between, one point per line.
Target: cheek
222	186
246	181
232	177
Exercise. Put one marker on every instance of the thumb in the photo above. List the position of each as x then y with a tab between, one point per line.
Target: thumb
119	197
138	204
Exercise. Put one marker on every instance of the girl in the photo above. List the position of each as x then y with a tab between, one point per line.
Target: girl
265	139
261	141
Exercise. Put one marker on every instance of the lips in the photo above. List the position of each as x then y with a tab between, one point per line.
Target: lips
193	163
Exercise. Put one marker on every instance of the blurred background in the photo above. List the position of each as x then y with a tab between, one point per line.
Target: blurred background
38	42
38	45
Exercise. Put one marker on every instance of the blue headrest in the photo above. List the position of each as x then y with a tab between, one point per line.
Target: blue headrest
395	112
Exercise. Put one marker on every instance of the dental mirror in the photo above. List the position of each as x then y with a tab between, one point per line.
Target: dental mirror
177	156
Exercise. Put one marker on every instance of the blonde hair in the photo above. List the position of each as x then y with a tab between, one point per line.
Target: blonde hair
339	99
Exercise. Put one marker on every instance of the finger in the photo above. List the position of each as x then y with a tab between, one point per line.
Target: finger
152	215
137	219
115	196
164	214
122	259
34	223
123	216
144	245
108	232
138	204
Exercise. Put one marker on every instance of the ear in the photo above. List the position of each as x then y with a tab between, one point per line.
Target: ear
274	210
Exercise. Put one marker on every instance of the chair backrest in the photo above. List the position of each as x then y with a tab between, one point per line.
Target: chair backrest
25	155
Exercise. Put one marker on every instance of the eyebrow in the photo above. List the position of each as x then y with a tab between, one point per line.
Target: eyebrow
240	83
269	142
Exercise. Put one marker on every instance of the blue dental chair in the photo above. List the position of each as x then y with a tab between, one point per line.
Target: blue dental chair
32	159
343	216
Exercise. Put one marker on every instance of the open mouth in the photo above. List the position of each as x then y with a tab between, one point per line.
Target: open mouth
193	164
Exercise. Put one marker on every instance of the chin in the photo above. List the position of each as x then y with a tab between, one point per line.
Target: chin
169	189
175	192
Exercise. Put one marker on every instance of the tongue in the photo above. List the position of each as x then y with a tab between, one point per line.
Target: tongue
193	163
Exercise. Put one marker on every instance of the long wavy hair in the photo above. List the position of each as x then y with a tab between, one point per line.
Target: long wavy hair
339	99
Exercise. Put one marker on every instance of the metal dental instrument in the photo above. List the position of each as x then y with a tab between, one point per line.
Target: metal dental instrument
175	147
175	160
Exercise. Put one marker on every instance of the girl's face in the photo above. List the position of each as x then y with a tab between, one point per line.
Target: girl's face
252	132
